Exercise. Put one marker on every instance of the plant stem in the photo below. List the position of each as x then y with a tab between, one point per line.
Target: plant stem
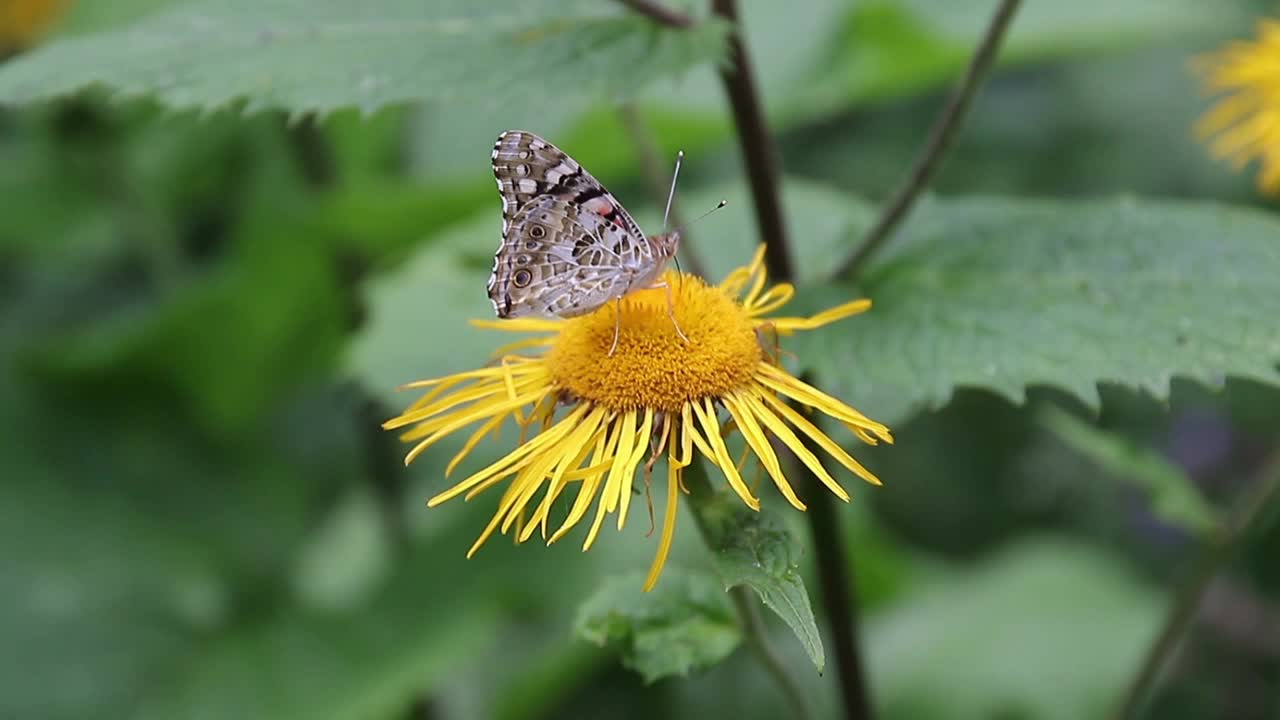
657	181
758	150
754	631
757	638
1183	610
836	585
659	13
312	153
940	137
761	158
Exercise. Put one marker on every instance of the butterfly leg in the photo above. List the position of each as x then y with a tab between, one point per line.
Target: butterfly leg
617	325
671	310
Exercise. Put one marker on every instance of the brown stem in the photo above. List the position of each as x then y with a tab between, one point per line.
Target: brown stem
659	13
940	137
1183	611
657	179
758	150
312	152
761	159
836	585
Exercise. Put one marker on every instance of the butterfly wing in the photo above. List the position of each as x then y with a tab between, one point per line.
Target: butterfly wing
568	246
557	261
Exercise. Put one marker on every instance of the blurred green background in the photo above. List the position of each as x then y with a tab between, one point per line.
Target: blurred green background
204	316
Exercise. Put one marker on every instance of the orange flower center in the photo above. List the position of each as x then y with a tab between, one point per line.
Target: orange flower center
653	367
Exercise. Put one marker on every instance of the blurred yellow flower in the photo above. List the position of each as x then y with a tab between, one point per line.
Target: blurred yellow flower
1245	123
655	394
22	22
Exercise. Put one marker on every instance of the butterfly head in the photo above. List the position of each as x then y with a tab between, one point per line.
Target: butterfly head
665	245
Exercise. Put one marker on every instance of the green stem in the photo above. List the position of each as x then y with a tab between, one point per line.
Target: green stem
1182	613
754	632
940	137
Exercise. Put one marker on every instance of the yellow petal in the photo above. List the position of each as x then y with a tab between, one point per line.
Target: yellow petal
668	522
707	417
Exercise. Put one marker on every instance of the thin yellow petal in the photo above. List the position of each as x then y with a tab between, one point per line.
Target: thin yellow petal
693	436
493	523
797	389
519	325
639	446
826	317
515	459
759	443
463	419
529	480
783	433
757	284
822	439
478	373
613	485
472	441
686	439
771	300
668	522
578	446
707	417
603	456
493	397
522	344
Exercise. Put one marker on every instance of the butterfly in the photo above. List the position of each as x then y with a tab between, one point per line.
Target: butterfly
568	246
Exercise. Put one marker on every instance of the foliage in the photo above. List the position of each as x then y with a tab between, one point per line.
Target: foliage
1002	294
753	550
204	316
687	623
209	54
1173	496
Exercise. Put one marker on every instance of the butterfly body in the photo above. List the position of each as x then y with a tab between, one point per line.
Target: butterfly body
568	245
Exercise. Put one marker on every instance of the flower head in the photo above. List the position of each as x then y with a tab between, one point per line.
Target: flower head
595	416
1245	123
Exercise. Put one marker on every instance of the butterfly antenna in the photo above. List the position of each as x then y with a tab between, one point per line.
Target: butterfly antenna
672	194
719	205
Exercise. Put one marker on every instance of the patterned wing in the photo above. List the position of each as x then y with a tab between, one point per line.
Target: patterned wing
558	260
574	241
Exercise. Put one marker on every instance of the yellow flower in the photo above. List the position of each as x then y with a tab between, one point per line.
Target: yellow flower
1245	124
596	416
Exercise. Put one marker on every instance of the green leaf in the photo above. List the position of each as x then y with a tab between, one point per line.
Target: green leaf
753	549
1000	294
367	663
686	623
417	325
1174	497
276	299
893	48
1046	629
327	54
117	567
